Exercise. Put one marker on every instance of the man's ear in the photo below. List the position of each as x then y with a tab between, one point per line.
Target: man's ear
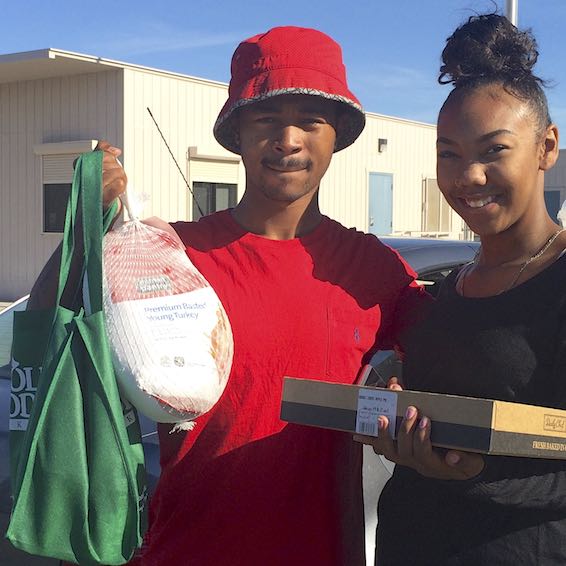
549	148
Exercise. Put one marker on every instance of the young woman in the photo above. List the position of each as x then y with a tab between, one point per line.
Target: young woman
498	329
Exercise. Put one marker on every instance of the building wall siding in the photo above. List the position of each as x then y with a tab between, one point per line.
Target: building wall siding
185	111
113	105
410	157
34	112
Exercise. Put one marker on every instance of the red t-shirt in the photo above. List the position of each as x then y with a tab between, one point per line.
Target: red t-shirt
244	487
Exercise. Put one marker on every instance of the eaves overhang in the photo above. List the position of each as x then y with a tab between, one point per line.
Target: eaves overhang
49	63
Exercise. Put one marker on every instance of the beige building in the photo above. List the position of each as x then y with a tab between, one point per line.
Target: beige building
55	104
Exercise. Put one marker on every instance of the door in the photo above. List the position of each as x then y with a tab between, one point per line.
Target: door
380	203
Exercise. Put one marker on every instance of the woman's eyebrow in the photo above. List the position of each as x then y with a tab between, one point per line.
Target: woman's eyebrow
482	138
495	133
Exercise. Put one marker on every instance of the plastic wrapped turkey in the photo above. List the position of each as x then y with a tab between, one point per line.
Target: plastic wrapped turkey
170	337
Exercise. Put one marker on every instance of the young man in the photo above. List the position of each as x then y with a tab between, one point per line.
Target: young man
306	297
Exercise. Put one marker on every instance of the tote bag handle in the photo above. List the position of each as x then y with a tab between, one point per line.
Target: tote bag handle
84	212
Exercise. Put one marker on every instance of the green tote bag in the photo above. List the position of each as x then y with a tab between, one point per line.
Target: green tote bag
78	476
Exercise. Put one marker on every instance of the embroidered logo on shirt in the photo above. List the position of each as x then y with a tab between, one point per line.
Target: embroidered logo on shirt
357	335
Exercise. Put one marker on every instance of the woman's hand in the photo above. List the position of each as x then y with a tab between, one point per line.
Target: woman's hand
413	449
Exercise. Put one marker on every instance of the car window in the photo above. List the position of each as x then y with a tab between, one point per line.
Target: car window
432	280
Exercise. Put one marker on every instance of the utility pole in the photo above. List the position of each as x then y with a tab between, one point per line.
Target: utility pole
512	11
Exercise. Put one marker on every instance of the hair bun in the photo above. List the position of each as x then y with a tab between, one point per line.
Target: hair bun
488	46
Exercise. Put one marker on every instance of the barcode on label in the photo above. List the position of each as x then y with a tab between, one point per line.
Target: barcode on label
371	405
368	428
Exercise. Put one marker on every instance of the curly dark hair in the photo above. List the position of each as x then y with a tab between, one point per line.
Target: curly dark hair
489	49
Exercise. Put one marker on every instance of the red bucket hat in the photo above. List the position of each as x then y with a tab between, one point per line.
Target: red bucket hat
288	60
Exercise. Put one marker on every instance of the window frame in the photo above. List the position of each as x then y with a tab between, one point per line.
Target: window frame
44	220
67	152
232	197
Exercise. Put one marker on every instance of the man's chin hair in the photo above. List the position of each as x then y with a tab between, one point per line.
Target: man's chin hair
283	196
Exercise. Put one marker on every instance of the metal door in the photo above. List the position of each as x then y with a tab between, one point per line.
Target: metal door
380	203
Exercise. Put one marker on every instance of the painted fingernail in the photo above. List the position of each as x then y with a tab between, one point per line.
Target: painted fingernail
452	458
423	423
410	412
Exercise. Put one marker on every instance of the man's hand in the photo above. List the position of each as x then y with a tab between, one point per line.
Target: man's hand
114	180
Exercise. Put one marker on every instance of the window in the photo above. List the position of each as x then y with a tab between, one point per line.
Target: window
436	211
55	197
212	197
57	176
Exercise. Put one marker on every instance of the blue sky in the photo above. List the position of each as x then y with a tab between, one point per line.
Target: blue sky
391	48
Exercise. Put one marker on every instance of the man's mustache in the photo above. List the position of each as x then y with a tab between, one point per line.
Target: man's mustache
288	163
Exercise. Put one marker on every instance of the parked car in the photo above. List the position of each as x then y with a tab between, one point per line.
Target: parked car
432	259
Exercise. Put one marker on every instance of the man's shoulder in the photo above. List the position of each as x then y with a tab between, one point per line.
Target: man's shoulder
365	241
208	230
363	256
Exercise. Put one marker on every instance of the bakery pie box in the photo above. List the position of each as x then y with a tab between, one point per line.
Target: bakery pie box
465	423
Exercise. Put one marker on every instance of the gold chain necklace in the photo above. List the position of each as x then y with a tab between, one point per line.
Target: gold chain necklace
524	265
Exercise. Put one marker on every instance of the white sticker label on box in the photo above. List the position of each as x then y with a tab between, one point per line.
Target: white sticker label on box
371	404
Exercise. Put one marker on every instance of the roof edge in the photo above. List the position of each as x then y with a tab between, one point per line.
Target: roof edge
54	53
26	56
400	119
